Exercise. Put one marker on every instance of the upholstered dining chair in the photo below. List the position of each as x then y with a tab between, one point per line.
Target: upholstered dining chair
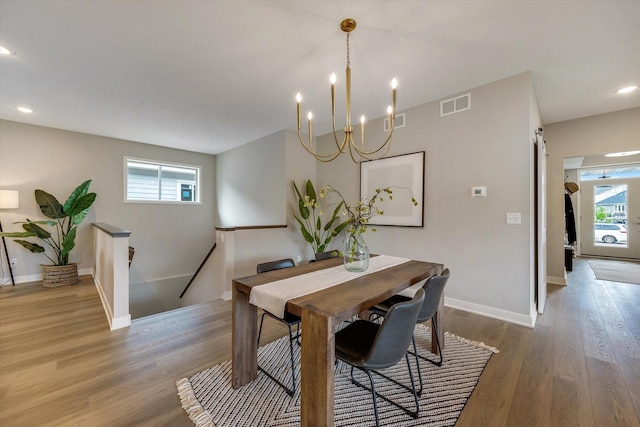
289	320
370	346
433	288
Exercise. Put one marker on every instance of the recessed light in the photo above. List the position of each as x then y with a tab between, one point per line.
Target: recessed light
627	89
623	153
6	51
24	109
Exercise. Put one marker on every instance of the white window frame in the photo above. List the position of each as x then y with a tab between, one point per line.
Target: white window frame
160	165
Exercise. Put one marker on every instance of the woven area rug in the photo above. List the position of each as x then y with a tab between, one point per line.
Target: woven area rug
209	400
616	271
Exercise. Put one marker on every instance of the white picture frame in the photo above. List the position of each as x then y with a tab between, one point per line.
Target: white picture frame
405	175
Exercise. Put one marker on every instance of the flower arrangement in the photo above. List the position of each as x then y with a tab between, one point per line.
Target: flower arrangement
355	250
310	219
365	209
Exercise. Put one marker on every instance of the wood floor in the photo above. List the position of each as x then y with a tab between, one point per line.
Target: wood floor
61	366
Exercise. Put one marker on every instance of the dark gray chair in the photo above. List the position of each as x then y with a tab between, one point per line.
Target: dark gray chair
433	288
370	346
289	320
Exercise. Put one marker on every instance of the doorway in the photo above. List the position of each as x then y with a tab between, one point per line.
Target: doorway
610	214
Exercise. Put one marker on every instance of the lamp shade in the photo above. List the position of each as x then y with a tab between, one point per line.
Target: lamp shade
9	199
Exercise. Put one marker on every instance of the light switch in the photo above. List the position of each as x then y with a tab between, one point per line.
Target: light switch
513	218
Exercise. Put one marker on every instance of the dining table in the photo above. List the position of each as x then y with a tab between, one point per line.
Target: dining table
321	311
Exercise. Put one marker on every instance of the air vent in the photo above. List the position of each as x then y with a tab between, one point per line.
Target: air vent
455	105
399	122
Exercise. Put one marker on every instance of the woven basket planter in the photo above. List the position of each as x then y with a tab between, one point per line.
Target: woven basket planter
54	276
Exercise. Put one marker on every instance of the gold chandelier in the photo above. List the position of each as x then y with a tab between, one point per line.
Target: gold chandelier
358	153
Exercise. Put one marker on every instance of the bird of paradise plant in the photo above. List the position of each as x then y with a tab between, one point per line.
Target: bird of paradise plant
310	218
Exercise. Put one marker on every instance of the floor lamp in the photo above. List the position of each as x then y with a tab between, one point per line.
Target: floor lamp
8	200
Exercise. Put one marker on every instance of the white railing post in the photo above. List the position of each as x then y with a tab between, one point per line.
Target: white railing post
111	272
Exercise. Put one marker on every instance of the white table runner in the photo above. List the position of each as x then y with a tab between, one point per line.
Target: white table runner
273	296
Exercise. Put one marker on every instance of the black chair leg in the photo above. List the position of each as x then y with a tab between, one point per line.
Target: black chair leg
383	397
293	364
437	363
290	391
435	328
413	387
373	396
415	350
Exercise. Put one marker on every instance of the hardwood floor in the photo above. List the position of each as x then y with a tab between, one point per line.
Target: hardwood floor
61	366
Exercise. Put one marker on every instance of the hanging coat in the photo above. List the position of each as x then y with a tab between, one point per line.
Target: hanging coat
570	220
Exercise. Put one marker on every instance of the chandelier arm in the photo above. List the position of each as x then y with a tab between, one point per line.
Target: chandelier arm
319	157
365	153
340	147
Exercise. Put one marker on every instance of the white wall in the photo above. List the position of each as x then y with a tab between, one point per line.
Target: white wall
601	134
170	240
489	145
251	182
267	167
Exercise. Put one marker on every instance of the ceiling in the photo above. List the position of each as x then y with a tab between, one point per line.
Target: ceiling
207	76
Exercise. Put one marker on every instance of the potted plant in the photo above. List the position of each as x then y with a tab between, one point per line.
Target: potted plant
310	219
65	219
355	250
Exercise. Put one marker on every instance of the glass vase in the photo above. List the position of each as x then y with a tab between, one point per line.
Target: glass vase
356	253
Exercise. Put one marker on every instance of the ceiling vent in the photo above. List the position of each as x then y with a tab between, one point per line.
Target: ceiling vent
399	122
455	105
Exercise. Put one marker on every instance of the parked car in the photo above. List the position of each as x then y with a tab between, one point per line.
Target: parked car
610	233
619	217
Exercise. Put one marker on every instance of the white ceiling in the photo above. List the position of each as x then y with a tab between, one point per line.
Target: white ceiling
207	76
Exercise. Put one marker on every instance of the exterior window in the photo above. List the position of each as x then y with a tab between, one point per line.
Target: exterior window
149	181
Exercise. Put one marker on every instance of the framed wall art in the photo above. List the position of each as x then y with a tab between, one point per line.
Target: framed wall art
405	174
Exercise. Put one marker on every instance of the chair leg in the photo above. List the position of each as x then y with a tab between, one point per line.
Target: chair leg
372	390
293	364
435	328
437	363
290	391
413	387
383	397
373	396
415	351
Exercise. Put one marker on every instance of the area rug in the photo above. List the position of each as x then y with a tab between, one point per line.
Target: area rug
209	399
616	271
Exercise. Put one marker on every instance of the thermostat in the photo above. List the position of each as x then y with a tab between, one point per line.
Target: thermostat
478	191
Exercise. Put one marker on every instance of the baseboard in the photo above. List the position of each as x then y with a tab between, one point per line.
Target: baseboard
226	296
38	277
557	280
495	313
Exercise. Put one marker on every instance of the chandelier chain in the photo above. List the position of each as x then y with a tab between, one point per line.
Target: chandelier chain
348	53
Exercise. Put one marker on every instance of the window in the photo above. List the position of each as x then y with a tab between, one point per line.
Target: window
149	181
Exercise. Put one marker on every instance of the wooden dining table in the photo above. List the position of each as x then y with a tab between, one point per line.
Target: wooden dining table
320	311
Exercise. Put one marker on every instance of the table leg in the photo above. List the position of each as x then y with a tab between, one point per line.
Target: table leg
244	339
440	329
318	355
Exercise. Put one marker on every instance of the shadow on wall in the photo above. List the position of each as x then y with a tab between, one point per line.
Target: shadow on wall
148	298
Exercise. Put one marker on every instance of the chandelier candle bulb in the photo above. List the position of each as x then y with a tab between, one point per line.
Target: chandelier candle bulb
332	79
394	85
